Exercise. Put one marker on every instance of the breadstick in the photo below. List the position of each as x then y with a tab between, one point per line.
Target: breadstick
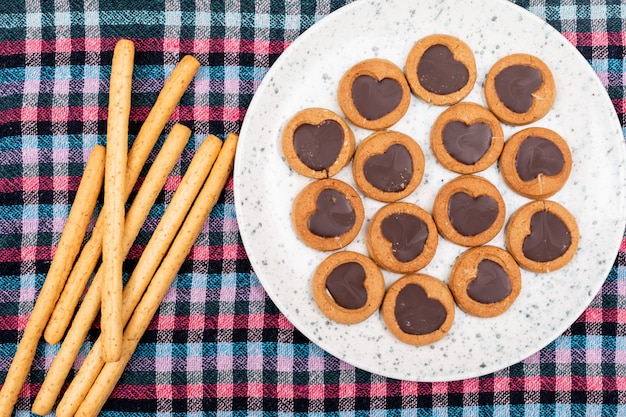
67	249
147	194
160	241
114	211
163	108
141	318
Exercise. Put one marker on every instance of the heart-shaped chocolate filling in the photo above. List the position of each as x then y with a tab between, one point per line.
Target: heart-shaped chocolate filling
374	99
515	86
334	215
390	171
470	216
492	283
407	234
345	285
439	73
466	143
416	313
318	146
549	237
537	156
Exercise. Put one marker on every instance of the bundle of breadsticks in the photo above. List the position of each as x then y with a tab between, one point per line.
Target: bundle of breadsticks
126	311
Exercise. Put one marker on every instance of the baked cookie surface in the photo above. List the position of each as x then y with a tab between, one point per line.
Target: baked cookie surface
374	94
536	162
467	138
418	309
348	287
317	143
388	166
485	281
520	89
441	69
327	214
402	237
469	210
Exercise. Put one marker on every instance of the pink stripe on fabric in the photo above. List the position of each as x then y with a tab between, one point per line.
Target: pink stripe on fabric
63	45
30	183
563	356
163	364
163	390
31	86
224	362
30	226
315	391
29	156
620	357
28	114
593	356
194	390
33	46
440	388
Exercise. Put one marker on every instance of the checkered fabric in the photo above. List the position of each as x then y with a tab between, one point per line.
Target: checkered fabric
218	343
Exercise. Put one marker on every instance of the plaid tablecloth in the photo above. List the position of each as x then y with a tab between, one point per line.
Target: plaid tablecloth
218	343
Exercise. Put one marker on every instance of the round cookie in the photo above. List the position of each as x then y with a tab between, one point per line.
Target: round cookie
542	236
388	166
402	237
348	287
418	309
374	94
317	143
520	89
485	281
469	211
467	138
327	214
441	69
536	162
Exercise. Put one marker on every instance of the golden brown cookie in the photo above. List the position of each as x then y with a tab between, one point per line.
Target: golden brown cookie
485	281
418	309
467	138
536	162
348	287
441	69
542	236
374	94
388	166
327	214
520	89
317	143
402	237
469	211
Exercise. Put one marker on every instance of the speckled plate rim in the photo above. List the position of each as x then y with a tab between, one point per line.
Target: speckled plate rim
306	75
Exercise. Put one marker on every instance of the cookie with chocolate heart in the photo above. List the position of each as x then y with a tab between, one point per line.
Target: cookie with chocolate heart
485	281
402	237
467	138
317	143
441	69
327	214
374	94
348	287
418	309
469	210
536	162
520	89
542	236
388	166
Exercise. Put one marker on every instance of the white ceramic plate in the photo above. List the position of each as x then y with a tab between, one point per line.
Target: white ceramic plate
307	75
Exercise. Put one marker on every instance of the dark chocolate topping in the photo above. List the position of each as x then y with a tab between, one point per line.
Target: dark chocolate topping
416	313
334	215
390	171
536	156
471	216
374	99
407	233
549	237
466	143
318	146
492	283
515	85
439	73
345	285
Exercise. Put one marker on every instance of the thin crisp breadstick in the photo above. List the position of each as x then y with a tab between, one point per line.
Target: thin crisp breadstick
141	318
114	211
163	108
67	249
160	241
137	213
